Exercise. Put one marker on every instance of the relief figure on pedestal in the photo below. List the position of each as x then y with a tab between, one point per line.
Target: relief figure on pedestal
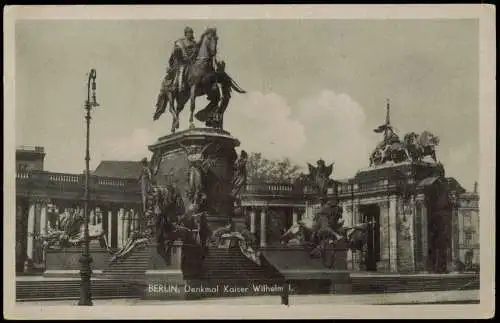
199	165
240	177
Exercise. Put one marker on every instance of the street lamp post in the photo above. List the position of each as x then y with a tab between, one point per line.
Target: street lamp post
86	259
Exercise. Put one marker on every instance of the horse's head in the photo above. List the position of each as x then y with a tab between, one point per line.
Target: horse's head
220	66
428	139
410	138
208	43
434	140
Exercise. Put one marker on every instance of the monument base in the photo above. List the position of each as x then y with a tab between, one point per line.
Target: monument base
176	155
65	262
164	279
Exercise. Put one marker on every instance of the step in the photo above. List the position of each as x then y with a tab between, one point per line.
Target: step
412	284
50	289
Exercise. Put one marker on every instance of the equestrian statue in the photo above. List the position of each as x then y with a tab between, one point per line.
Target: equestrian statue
195	71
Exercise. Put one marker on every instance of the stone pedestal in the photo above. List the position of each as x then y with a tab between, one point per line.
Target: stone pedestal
218	147
340	263
164	280
215	150
65	262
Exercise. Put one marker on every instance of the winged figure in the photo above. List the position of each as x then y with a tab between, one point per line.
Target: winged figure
320	175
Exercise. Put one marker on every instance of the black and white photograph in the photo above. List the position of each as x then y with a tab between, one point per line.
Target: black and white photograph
231	157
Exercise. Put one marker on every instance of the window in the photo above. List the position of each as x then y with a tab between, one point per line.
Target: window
22	167
467	219
468	236
469	256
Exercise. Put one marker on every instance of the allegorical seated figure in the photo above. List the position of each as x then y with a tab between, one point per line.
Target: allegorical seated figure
382	150
295	235
70	232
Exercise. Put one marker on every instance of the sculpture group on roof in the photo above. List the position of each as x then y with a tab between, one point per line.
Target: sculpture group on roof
413	148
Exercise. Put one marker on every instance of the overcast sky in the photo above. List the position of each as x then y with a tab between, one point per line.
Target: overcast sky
316	88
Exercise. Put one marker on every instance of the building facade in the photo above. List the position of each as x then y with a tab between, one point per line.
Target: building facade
417	227
467	226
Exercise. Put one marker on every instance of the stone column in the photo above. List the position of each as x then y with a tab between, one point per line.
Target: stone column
413	212
252	221
92	217
120	227
130	225
136	219
43	219
295	216
102	214
405	237
31	230
132	221
347	213
385	236
454	235
100	217
393	234
347	218
425	236
43	226
110	221
263	240
357	255
126	225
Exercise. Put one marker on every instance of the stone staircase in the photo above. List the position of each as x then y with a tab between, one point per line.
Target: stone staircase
126	279
130	268
121	279
393	283
69	288
230	267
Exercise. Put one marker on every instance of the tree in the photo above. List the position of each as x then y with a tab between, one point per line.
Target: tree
260	169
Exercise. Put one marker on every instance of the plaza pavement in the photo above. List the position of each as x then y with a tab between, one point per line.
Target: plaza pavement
441	297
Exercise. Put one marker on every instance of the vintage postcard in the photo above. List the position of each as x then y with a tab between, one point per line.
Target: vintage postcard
249	161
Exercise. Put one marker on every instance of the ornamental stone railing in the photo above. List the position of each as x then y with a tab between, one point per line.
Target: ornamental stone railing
59	183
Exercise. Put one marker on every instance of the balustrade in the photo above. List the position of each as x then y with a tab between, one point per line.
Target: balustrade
65	183
277	189
64	178
23	175
74	182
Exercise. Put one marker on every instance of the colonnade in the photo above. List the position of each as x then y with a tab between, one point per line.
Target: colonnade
35	217
403	231
261	216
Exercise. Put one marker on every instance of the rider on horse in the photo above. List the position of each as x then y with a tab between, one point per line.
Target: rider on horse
183	54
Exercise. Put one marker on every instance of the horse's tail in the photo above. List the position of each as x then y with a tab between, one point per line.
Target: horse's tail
235	85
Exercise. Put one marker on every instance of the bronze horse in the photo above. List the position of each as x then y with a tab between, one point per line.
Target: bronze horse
201	78
420	146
